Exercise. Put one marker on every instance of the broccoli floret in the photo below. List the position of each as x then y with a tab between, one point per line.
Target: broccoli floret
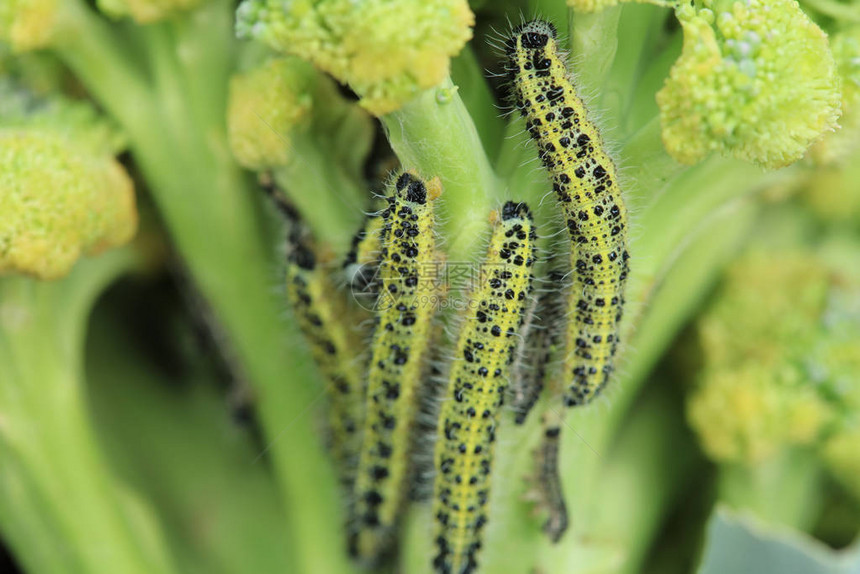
386	51
746	414
266	104
757	393
755	80
285	103
58	202
64	194
780	366
28	24
76	120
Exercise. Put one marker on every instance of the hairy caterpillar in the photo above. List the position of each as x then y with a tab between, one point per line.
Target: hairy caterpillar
548	481
360	264
400	345
585	181
321	314
476	385
542	330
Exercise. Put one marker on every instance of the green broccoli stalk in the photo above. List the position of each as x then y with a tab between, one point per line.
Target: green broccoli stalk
64	196
395	56
169	94
286	117
62	509
146	11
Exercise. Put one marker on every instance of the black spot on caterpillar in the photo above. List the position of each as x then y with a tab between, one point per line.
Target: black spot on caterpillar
586	185
476	386
400	345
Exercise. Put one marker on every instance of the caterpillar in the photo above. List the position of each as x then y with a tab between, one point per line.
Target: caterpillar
400	344
476	386
586	184
361	262
541	334
322	316
549	491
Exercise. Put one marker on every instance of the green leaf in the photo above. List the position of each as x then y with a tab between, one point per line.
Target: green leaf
741	545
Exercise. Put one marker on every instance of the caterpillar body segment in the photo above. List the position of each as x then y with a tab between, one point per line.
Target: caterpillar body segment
476	387
361	263
586	184
323	319
400	345
541	333
326	324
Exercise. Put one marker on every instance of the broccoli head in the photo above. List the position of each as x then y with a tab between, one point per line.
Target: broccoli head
386	51
64	194
755	80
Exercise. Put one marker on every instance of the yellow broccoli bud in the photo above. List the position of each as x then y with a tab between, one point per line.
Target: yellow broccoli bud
28	24
755	80
145	11
266	105
388	51
58	202
749	413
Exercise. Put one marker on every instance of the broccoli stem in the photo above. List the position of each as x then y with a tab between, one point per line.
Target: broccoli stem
327	198
435	135
687	201
647	166
467	74
214	217
61	507
593	45
195	465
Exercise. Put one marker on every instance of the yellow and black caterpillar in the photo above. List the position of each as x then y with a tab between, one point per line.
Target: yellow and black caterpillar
400	344
476	387
324	320
361	262
586	184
